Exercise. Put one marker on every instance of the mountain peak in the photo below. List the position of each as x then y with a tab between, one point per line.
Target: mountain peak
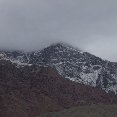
62	45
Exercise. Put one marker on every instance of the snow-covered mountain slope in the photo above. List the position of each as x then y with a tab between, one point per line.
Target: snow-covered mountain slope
72	63
16	57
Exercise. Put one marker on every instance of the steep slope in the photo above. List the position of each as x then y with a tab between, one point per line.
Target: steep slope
32	90
79	66
73	64
17	96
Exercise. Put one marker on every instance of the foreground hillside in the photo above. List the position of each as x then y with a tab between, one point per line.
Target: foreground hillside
86	111
28	91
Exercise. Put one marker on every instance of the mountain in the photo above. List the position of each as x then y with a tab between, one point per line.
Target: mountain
71	63
30	91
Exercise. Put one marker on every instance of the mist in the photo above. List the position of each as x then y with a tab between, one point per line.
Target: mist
34	24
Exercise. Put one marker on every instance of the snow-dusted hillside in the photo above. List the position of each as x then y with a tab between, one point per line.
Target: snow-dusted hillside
72	63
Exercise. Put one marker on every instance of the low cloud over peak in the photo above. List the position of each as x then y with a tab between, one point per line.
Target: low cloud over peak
35	24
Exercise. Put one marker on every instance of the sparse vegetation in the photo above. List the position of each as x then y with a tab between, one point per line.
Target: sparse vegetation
86	111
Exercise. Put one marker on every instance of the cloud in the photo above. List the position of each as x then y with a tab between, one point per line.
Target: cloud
34	24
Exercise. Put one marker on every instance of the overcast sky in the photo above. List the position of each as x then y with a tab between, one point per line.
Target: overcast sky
33	24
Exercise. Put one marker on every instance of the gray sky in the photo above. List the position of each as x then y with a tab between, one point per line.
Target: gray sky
33	24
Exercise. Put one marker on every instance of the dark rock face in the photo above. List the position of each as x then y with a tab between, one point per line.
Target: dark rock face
32	90
73	64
